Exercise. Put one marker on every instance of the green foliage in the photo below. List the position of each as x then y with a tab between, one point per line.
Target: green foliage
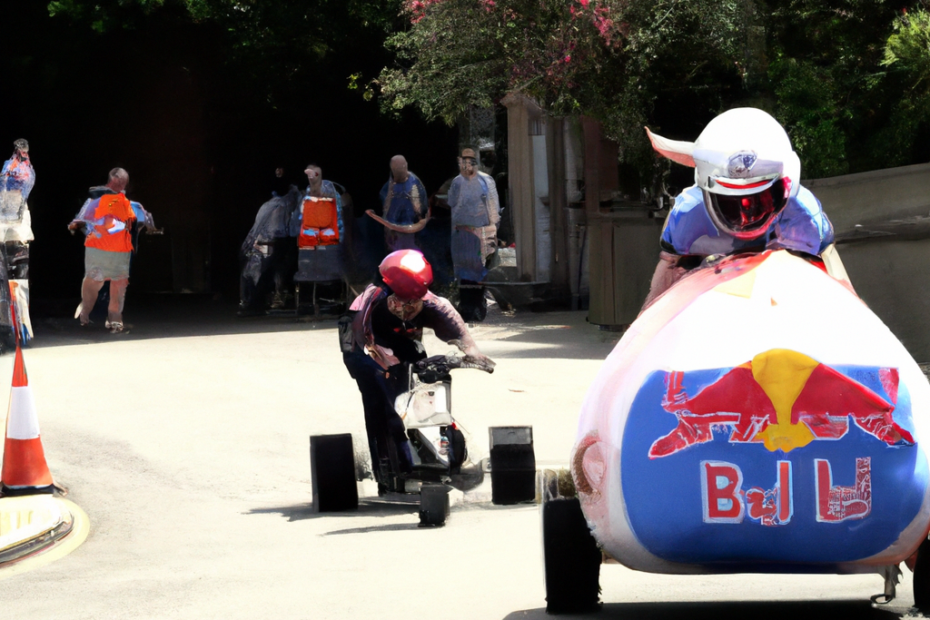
830	91
809	108
822	67
849	79
302	30
272	46
907	52
104	15
609	59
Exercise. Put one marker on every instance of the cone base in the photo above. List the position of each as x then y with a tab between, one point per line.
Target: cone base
36	530
6	491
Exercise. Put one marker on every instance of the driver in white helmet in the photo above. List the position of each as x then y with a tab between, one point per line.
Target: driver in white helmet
747	196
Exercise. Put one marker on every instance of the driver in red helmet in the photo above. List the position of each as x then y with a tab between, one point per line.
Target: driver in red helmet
385	334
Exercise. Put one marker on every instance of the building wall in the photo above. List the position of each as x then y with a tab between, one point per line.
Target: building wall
881	219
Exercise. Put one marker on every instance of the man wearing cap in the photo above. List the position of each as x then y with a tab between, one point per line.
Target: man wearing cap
16	181
475	219
405	206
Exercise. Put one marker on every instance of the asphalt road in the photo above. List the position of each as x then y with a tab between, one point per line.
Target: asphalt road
186	442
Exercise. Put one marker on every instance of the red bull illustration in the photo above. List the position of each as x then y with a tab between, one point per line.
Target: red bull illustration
794	445
783	399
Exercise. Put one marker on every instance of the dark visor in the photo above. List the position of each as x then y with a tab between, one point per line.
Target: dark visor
750	212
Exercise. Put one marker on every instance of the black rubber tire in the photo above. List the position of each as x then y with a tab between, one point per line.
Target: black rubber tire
459	451
922	578
572	559
332	472
434	505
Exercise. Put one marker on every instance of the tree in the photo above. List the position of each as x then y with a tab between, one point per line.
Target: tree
604	58
273	42
816	65
832	71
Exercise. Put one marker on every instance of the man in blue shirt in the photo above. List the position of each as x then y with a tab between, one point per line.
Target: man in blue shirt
747	196
476	217
405	206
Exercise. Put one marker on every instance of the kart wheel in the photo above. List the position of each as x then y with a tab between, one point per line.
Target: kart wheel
922	577
459	450
332	473
572	559
434	505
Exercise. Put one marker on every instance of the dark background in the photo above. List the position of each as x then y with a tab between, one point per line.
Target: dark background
198	134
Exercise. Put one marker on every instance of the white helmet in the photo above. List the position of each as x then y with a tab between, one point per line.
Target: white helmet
744	163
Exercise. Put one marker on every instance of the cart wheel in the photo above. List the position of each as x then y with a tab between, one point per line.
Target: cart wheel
922	577
434	505
572	559
459	449
332	472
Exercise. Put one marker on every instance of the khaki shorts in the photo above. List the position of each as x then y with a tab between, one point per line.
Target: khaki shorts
102	265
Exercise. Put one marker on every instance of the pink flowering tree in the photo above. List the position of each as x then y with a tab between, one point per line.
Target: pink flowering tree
593	57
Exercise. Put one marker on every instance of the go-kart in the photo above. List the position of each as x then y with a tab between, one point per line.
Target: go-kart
438	446
757	417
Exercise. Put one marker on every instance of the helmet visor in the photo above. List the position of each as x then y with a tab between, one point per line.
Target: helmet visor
752	212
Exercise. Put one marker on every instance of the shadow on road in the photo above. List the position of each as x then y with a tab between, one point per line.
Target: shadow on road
395	527
366	508
757	610
558	334
164	316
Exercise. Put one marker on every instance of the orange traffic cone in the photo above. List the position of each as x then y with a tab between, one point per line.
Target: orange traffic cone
25	471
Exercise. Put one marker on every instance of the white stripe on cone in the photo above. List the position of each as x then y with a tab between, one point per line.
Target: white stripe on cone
22	422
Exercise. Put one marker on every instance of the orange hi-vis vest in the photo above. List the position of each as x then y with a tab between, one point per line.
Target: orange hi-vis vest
113	209
320	223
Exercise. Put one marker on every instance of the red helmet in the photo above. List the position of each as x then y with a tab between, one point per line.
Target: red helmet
407	273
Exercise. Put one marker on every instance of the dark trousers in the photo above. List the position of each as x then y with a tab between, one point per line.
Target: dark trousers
284	260
378	394
472	303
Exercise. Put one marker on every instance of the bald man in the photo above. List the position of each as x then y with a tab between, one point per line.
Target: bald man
405	203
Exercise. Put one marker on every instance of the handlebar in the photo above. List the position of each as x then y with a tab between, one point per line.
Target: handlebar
442	364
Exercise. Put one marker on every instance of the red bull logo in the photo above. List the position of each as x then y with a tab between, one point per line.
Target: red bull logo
782	399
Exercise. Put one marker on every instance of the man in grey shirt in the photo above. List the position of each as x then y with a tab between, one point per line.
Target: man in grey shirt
475	219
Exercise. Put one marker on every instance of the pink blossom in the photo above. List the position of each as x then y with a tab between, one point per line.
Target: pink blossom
568	58
417	8
584	3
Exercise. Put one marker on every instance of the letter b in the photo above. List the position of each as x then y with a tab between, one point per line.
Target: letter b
720	492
